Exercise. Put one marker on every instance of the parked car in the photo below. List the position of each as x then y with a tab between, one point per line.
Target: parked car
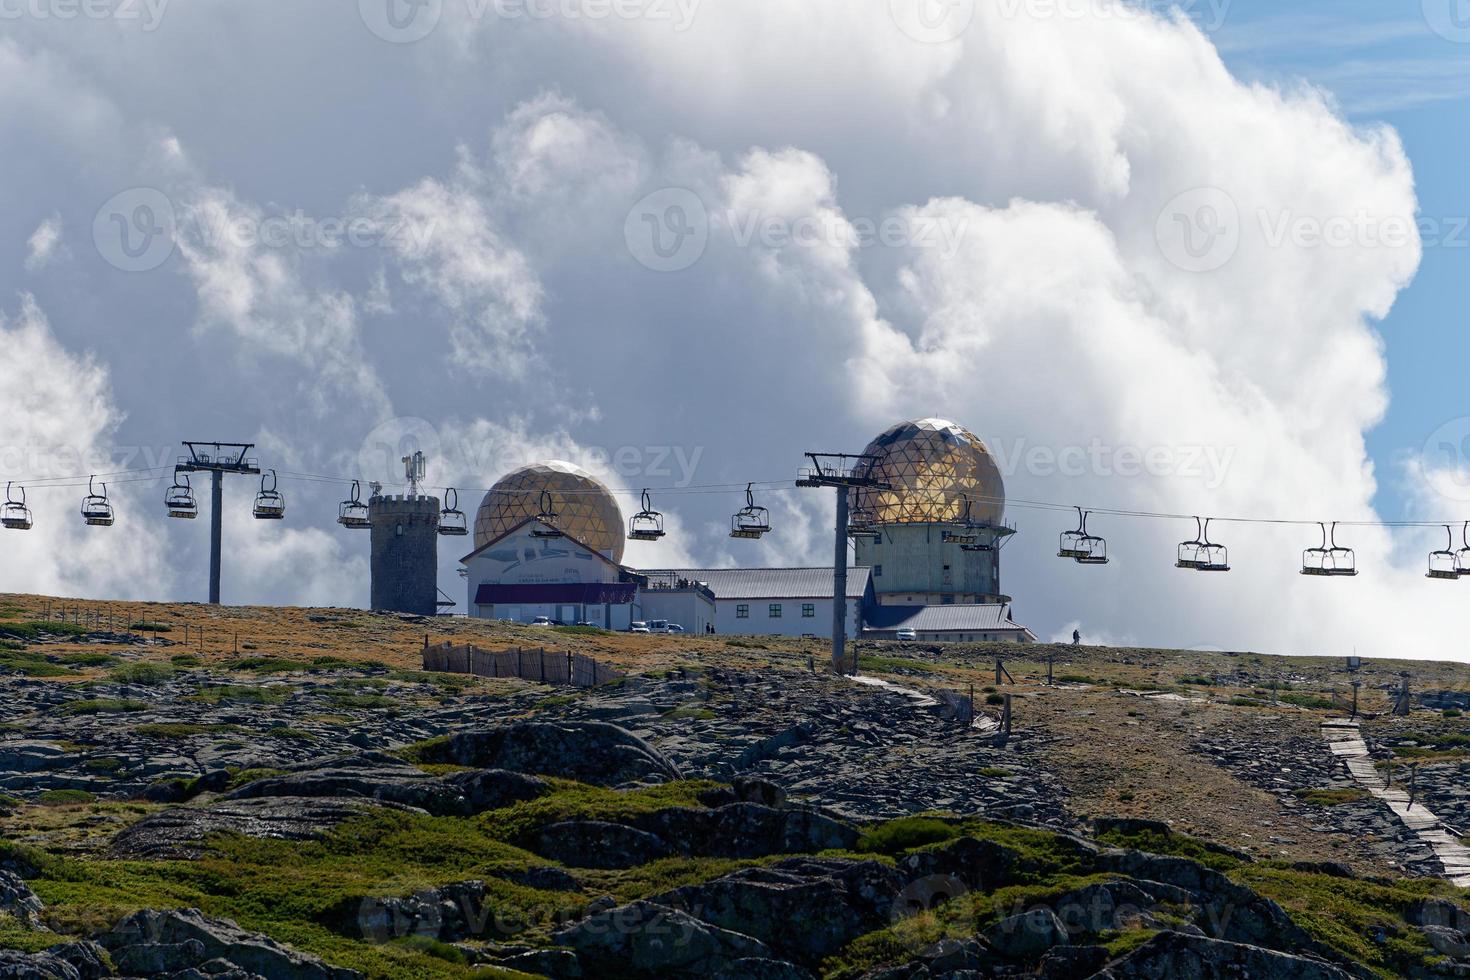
588	622
674	628
907	634
638	626
543	621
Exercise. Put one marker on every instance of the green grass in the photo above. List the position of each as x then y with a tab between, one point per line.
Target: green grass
1330	797
184	660
266	665
994	772
103	764
181	729
343	699
64	797
578	630
146	674
40	629
1197	681
149	626
30	664
87	659
903	833
894	665
246	693
1313	701
97	706
577	801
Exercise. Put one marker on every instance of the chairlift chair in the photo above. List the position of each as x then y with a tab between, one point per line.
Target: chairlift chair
546	525
16	515
1330	558
451	518
1462	557
750	521
1201	555
352	512
179	499
269	504
96	508
1445	564
965	537
647	524
1082	547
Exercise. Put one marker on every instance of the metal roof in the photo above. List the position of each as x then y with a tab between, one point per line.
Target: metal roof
771	583
988	617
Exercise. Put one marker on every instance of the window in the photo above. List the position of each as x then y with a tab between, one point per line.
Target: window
775	611
877	571
742	611
808	610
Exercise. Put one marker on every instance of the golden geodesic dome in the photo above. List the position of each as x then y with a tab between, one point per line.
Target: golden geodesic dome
933	466
585	509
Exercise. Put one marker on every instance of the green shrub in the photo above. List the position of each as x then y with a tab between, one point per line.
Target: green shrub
149	626
60	797
247	693
266	664
184	660
97	706
87	659
994	699
903	833
1330	797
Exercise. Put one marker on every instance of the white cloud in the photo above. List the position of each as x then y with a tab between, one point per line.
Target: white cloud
45	244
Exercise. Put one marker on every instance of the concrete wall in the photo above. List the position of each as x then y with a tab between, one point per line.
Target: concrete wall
405	554
691	609
607	615
913	565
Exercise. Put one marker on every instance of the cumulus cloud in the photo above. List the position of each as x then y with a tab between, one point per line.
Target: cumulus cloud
45	244
1147	284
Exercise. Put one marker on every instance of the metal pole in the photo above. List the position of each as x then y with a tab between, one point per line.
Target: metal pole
839	587
216	524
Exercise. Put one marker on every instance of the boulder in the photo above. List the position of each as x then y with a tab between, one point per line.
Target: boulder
35	966
981	864
645	939
587	751
179	832
752	968
747	830
450	913
87	958
1181	957
1026	936
595	844
1071	962
834	900
154	942
18	901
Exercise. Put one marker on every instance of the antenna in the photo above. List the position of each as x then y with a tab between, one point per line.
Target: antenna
413	472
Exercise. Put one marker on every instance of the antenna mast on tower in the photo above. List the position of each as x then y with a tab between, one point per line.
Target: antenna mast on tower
413	472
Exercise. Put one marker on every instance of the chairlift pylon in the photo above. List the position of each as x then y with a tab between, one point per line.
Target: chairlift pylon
16	515
546	521
451	518
965	537
269	504
96	508
1330	558
352	512
179	498
1445	564
1082	547
1200	554
647	524
750	521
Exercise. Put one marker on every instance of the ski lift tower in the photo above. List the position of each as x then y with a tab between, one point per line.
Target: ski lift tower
846	472
217	459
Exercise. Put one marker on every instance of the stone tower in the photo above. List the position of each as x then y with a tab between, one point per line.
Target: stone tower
405	560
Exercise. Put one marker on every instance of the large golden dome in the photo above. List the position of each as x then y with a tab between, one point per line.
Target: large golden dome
585	508
933	466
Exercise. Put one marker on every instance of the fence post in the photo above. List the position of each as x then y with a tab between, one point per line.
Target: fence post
541	656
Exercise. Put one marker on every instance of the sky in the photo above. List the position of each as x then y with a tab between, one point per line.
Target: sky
1187	260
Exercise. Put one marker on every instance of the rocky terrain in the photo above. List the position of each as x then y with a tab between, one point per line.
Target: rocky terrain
316	807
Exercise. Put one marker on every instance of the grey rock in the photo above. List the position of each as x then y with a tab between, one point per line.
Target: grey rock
1028	935
645	939
1180	957
87	958
174	933
151	959
17	900
588	751
33	966
180	832
595	844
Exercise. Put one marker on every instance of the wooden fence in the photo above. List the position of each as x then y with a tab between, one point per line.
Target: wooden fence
541	665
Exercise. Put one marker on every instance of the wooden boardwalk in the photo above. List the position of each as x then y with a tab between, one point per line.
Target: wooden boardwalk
1346	742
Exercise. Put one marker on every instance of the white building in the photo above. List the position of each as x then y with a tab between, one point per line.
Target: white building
778	601
527	572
